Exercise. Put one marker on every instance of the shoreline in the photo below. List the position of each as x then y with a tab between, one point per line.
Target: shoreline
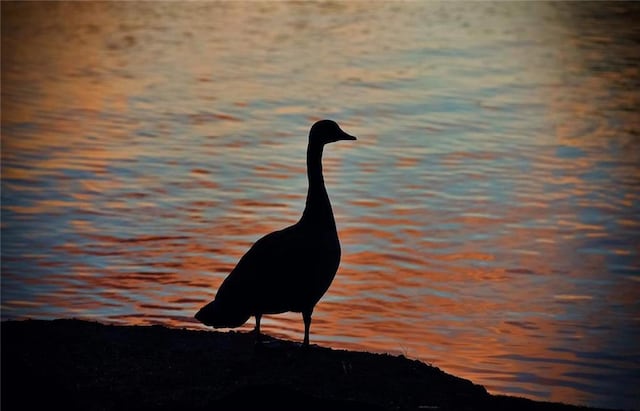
78	364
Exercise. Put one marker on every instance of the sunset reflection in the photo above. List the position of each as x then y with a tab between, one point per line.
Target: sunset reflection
488	215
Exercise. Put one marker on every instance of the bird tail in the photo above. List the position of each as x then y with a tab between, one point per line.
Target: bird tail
219	315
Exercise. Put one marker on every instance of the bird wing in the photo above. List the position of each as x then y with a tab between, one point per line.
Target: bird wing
268	272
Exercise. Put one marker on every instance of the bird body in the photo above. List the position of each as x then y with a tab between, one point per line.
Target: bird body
289	269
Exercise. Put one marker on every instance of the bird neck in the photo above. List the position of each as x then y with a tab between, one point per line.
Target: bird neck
318	207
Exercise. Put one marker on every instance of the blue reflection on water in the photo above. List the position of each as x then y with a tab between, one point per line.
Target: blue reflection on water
488	212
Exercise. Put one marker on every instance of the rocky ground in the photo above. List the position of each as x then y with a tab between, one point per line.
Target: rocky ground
71	364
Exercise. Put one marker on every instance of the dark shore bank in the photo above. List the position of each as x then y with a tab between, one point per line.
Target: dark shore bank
71	364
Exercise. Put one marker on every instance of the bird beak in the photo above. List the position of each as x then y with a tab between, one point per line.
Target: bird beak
345	136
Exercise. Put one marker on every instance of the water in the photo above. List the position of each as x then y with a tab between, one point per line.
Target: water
488	212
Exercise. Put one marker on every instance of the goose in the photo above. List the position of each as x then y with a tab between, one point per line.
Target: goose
289	269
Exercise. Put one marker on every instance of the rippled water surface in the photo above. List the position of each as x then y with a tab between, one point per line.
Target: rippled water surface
488	212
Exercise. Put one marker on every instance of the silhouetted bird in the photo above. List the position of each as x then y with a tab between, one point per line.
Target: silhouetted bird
290	269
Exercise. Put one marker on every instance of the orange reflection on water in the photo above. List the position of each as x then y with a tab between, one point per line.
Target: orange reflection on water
487	212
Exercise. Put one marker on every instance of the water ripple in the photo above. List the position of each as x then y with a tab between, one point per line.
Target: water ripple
488	212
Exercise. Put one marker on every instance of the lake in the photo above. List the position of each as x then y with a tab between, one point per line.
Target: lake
488	212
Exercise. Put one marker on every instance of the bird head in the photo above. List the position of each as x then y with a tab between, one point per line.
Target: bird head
328	131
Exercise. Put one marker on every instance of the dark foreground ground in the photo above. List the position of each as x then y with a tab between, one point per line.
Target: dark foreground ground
70	364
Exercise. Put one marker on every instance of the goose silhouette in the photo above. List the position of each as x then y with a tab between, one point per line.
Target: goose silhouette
289	269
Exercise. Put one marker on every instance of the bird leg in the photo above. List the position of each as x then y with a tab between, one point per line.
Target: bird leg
257	329
306	317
